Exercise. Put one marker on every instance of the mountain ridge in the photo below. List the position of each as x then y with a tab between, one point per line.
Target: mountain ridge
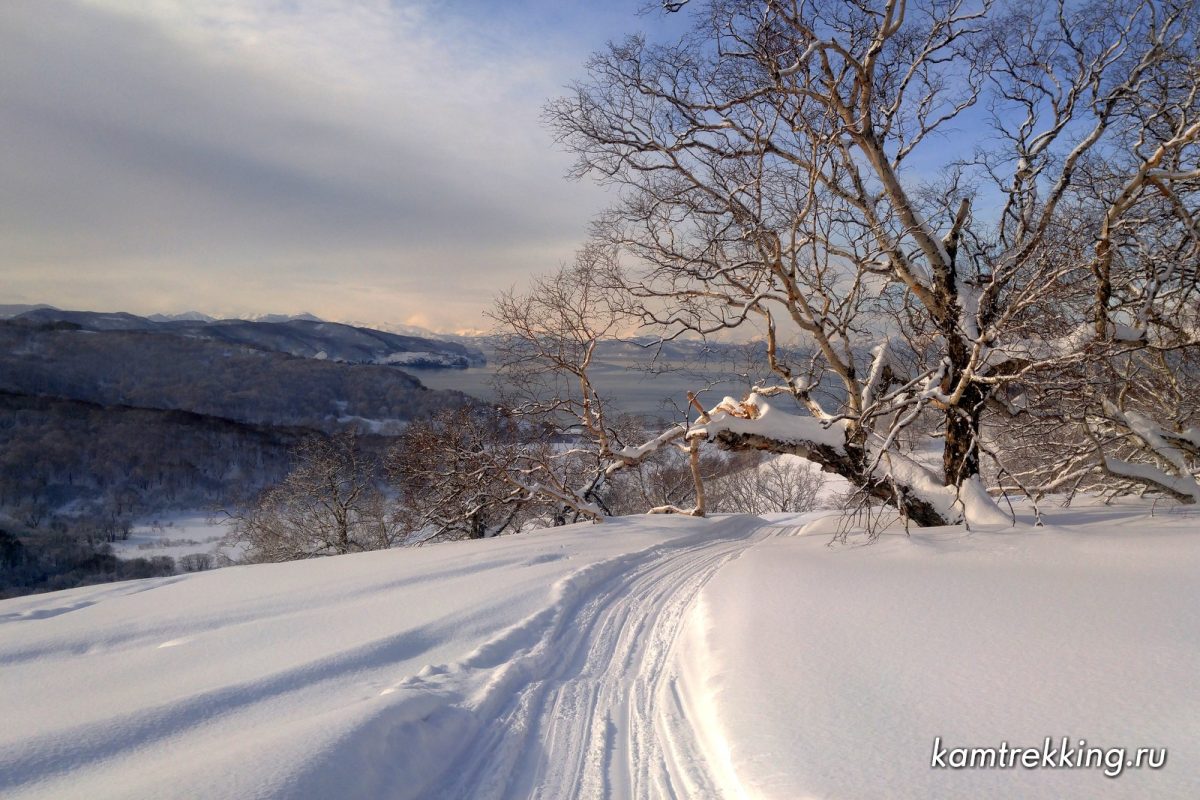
304	336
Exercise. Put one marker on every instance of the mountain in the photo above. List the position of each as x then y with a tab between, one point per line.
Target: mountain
105	417
87	320
304	336
14	309
405	330
186	316
221	374
120	422
303	315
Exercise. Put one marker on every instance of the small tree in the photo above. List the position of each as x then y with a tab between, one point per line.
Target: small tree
758	484
330	503
452	473
547	343
665	478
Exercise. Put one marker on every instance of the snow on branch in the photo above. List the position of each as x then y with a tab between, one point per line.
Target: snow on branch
633	455
969	503
1165	446
755	415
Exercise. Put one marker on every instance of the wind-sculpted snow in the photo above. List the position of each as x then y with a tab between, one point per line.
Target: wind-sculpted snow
649	657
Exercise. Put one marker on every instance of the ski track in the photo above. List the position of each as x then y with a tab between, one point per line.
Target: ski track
579	700
599	714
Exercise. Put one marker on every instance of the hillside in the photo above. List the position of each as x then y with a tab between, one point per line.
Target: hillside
207	376
651	657
56	453
305	337
100	427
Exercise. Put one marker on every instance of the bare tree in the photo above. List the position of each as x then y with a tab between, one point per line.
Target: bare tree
784	166
664	479
758	484
329	504
452	472
547	342
1125	426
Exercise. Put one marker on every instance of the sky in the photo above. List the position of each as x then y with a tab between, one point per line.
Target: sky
363	160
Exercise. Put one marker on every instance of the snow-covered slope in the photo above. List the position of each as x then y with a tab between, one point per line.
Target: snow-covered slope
648	657
829	673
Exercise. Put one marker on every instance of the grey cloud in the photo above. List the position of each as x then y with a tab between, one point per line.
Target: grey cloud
119	146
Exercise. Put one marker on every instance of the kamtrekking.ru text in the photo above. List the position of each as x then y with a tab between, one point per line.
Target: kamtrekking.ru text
1052	754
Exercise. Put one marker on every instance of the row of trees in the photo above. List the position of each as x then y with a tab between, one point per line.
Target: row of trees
70	555
116	463
479	472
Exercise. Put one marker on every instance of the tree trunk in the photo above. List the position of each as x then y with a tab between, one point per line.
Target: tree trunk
851	464
960	453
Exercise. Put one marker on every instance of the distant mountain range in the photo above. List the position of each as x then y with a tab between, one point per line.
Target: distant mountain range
10	310
303	335
200	316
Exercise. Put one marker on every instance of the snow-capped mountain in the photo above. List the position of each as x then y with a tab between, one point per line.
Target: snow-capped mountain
186	316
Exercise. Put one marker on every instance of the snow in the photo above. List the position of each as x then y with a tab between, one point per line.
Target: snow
969	296
828	673
423	359
1061	347
385	427
1183	483
880	359
292	679
969	502
646	657
1183	486
756	415
175	535
632	455
1191	435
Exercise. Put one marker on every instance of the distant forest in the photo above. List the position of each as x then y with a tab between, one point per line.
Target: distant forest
57	454
148	370
100	428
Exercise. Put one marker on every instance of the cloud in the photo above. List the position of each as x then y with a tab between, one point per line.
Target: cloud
368	160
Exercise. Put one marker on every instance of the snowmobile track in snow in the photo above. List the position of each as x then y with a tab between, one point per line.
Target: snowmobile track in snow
600	714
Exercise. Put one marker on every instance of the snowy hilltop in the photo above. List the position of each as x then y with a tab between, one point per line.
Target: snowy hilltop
676	657
301	335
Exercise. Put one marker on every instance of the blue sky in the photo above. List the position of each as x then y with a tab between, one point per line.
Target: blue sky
363	160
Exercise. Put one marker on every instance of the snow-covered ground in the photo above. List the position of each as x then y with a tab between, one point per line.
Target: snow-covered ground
173	534
646	657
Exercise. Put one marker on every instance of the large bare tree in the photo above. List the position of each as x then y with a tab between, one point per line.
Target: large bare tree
948	205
